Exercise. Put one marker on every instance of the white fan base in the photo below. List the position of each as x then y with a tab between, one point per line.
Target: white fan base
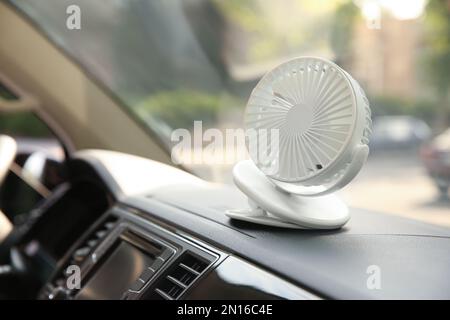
269	205
259	216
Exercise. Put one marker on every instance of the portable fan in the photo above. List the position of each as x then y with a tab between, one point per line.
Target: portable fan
321	122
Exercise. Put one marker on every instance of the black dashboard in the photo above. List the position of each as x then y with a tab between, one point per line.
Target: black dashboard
137	229
127	257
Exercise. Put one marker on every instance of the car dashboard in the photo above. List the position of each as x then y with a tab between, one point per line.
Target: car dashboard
131	228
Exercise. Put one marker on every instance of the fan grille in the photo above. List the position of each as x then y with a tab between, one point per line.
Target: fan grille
312	105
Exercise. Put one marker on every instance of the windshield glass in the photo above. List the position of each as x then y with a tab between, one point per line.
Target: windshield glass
174	63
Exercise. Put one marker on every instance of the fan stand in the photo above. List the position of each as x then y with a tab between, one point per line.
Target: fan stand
272	206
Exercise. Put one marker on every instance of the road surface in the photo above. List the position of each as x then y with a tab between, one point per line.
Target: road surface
393	182
397	183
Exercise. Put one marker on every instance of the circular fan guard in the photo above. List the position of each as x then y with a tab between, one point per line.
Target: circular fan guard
319	114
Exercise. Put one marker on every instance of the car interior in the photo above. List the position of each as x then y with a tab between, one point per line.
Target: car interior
96	209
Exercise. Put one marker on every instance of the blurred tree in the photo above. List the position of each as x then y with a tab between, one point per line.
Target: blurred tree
437	54
24	124
180	108
253	38
243	13
209	27
392	105
342	32
155	47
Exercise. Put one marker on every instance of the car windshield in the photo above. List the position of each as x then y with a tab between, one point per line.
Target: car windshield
180	63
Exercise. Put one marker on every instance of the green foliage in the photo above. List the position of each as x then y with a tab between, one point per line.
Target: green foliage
247	16
437	51
271	30
342	31
243	13
180	108
23	124
421	109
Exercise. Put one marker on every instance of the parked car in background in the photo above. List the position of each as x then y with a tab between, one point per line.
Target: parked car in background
398	132
436	157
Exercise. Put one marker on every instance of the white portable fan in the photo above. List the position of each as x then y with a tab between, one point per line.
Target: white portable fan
321	120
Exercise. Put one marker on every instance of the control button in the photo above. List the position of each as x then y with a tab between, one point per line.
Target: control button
58	294
100	234
146	275
137	285
110	225
92	243
81	253
130	295
157	263
166	254
61	281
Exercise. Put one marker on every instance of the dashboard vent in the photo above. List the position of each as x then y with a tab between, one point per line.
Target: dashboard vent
81	252
93	240
180	277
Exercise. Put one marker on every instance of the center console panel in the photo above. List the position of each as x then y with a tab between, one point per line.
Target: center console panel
120	259
127	256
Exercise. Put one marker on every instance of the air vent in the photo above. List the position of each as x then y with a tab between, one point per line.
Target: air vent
93	240
84	250
180	277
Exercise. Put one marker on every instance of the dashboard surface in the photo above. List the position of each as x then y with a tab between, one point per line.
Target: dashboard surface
160	233
412	256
